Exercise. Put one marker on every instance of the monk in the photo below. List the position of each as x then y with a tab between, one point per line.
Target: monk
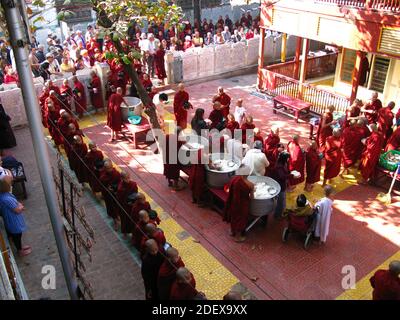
54	100
247	130
159	62
271	143
79	96
313	166
153	232
96	92
394	141
324	129
231	124
197	179
68	141
258	136
126	195
181	105
114	114
353	112
385	120
52	117
386	283
53	87
79	151
94	163
297	161
333	156
139	231
232	295
167	273
66	95
352	146
184	286
372	107
110	179
224	100
42	98
216	117
238	205
140	204
151	264
172	166
371	153
64	121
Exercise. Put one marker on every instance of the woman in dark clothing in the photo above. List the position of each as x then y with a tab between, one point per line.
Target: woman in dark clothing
7	135
281	175
198	122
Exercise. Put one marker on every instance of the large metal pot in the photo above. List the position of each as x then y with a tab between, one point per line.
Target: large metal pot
218	178
193	144
134	105
267	204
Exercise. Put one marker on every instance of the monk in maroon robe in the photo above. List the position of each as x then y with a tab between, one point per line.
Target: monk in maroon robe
247	130
184	286
232	124
258	136
197	179
386	283
297	161
159	63
52	119
216	116
371	108
172	166
94	164
333	156
394	141
127	188
352	146
66	95
324	129
110	179
271	143
371	153
167	273
79	96
139	231
385	120
53	87
153	232
68	142
96	92
151	263
114	114
224	100
181	105
237	208
55	101
42	98
139	205
353	112
313	166
79	151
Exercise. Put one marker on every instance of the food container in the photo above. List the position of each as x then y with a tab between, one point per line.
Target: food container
135	107
265	205
191	147
384	161
219	175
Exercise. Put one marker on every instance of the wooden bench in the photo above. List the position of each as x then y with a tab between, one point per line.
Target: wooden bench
296	105
138	131
218	199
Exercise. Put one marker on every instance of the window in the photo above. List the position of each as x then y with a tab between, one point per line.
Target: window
348	62
379	73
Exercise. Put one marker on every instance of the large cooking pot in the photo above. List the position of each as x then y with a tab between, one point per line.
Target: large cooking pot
266	204
218	178
135	106
190	149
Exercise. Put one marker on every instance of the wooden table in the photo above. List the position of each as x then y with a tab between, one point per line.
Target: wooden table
381	173
138	131
296	105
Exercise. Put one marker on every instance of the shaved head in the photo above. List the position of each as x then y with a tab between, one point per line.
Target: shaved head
92	145
172	254
150	229
314	144
233	295
337	132
296	137
394	267
107	164
151	247
181	86
183	275
125	175
144	216
328	190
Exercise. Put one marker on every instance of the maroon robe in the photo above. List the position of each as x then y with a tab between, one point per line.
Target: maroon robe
159	63
375	106
138	233
167	276
370	155
296	162
110	181
323	134
77	161
123	191
352	146
333	157
394	141
183	291
232	126
197	179
225	100
66	95
136	208
246	126
271	149
386	285
179	111
150	267
158	237
42	98
52	125
216	118
96	98
237	208
114	114
93	174
68	143
313	166
352	113
79	98
172	170
385	121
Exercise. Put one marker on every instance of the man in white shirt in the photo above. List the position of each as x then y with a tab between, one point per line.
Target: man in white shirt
54	67
226	34
235	147
255	160
323	218
152	47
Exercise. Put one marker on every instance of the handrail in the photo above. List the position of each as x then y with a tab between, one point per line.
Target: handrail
380	5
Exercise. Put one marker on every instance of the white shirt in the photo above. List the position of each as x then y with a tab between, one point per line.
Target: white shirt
323	218
239	114
235	148
256	161
144	44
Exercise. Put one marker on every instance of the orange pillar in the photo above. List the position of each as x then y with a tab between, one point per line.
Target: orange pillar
356	76
297	58
261	58
304	62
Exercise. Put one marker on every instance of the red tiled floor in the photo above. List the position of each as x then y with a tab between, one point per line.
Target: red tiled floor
283	270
